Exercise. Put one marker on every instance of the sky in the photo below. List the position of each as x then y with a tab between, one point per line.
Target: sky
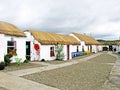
97	18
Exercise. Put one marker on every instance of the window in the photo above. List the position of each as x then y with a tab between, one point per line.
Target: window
52	51
11	46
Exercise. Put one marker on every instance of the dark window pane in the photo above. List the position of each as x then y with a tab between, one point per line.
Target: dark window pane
52	51
10	43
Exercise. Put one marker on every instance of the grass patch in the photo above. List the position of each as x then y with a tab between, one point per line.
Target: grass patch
14	66
1	88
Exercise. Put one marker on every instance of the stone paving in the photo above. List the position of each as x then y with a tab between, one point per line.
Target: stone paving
113	83
11	81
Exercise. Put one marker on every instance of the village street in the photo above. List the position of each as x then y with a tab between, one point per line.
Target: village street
102	70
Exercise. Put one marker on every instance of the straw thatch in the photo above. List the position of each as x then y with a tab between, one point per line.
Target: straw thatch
9	29
52	38
88	40
117	43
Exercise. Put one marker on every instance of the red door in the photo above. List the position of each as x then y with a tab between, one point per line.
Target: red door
68	52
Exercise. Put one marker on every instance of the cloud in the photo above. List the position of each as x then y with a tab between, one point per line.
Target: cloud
99	18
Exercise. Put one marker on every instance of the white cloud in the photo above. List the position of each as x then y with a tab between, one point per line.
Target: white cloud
99	17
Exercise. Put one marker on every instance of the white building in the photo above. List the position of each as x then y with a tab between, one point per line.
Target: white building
11	38
87	43
41	45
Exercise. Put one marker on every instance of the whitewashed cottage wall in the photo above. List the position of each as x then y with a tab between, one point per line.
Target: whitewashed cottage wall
2	47
20	46
44	49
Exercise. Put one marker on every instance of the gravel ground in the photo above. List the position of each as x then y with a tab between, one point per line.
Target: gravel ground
103	58
14	66
1	88
81	76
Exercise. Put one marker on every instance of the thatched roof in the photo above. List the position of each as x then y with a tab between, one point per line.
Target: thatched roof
9	29
88	40
52	38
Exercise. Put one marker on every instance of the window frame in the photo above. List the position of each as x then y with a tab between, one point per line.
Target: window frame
11	46
52	51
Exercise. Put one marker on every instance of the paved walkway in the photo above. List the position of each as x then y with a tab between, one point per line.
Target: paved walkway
113	83
11	80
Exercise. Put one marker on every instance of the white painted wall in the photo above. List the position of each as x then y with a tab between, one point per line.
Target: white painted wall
94	48
118	48
20	46
45	52
44	49
72	48
2	47
100	47
65	52
82	43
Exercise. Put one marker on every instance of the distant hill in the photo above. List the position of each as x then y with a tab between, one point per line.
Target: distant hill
109	42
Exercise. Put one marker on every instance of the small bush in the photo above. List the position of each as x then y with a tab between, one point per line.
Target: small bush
82	53
59	52
27	59
7	59
2	65
18	61
118	52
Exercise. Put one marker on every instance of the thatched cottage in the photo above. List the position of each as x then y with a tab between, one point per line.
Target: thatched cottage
88	43
11	38
41	45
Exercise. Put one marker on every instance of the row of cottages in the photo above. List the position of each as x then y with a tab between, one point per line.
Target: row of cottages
110	45
88	43
41	45
11	39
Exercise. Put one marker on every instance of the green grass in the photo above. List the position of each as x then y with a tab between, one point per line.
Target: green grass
14	66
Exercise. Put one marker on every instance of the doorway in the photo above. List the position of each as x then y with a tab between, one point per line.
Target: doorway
110	47
28	50
68	52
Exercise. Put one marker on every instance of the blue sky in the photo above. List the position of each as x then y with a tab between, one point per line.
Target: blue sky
98	18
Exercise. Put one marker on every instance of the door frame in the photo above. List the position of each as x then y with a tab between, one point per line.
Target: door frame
28	52
68	52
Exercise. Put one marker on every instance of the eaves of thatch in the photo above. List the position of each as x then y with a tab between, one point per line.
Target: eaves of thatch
87	39
46	38
11	30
